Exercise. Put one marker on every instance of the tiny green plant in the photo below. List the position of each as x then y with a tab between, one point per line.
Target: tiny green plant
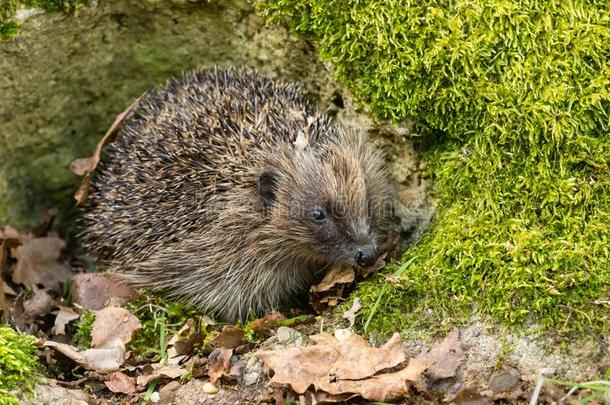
82	337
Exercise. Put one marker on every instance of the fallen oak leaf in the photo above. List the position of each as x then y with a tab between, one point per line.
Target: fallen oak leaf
113	323
63	317
336	275
102	360
160	372
185	339
38	263
382	387
331	360
84	166
263	326
120	383
220	364
93	290
444	358
39	304
229	338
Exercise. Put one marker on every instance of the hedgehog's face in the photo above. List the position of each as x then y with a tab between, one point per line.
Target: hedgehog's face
330	202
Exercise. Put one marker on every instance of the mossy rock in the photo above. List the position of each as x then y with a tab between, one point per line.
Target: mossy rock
65	76
515	100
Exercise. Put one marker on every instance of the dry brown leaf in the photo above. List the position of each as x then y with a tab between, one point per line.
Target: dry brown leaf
444	358
64	316
113	323
229	338
321	397
336	275
220	364
263	326
6	289
84	166
373	268
185	339
121	383
383	387
161	372
38	304
330	361
38	263
350	314
351	366
93	290
102	360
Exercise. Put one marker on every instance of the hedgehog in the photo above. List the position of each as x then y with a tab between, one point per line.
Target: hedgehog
231	192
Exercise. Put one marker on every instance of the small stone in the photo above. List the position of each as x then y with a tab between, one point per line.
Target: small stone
504	381
547	372
342	334
155	397
251	378
288	336
210	388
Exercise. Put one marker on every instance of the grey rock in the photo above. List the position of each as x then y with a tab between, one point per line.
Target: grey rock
504	381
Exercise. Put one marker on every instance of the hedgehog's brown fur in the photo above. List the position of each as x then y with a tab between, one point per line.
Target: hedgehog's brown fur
208	189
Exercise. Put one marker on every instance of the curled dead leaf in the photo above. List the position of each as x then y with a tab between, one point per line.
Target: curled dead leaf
38	262
121	383
94	290
113	323
161	372
39	304
185	339
263	326
84	166
64	316
229	338
336	275
220	364
103	360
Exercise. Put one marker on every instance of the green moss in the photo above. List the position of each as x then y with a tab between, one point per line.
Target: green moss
82	337
9	27
17	365
515	100
159	318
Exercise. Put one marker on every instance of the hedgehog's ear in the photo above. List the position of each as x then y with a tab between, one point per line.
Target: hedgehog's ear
267	185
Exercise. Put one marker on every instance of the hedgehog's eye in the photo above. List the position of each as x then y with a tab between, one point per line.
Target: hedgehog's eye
318	214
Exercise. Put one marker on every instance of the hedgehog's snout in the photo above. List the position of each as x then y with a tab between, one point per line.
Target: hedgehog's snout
365	255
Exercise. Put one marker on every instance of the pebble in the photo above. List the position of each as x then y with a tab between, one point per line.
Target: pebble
155	397
342	334
504	381
288	336
210	388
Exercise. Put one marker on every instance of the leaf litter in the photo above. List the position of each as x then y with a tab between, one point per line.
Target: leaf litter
351	366
330	370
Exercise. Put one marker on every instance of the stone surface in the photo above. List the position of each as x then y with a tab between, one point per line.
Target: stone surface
504	381
53	395
288	337
64	79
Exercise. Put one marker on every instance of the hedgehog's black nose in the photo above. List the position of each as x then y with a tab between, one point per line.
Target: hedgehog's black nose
365	255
